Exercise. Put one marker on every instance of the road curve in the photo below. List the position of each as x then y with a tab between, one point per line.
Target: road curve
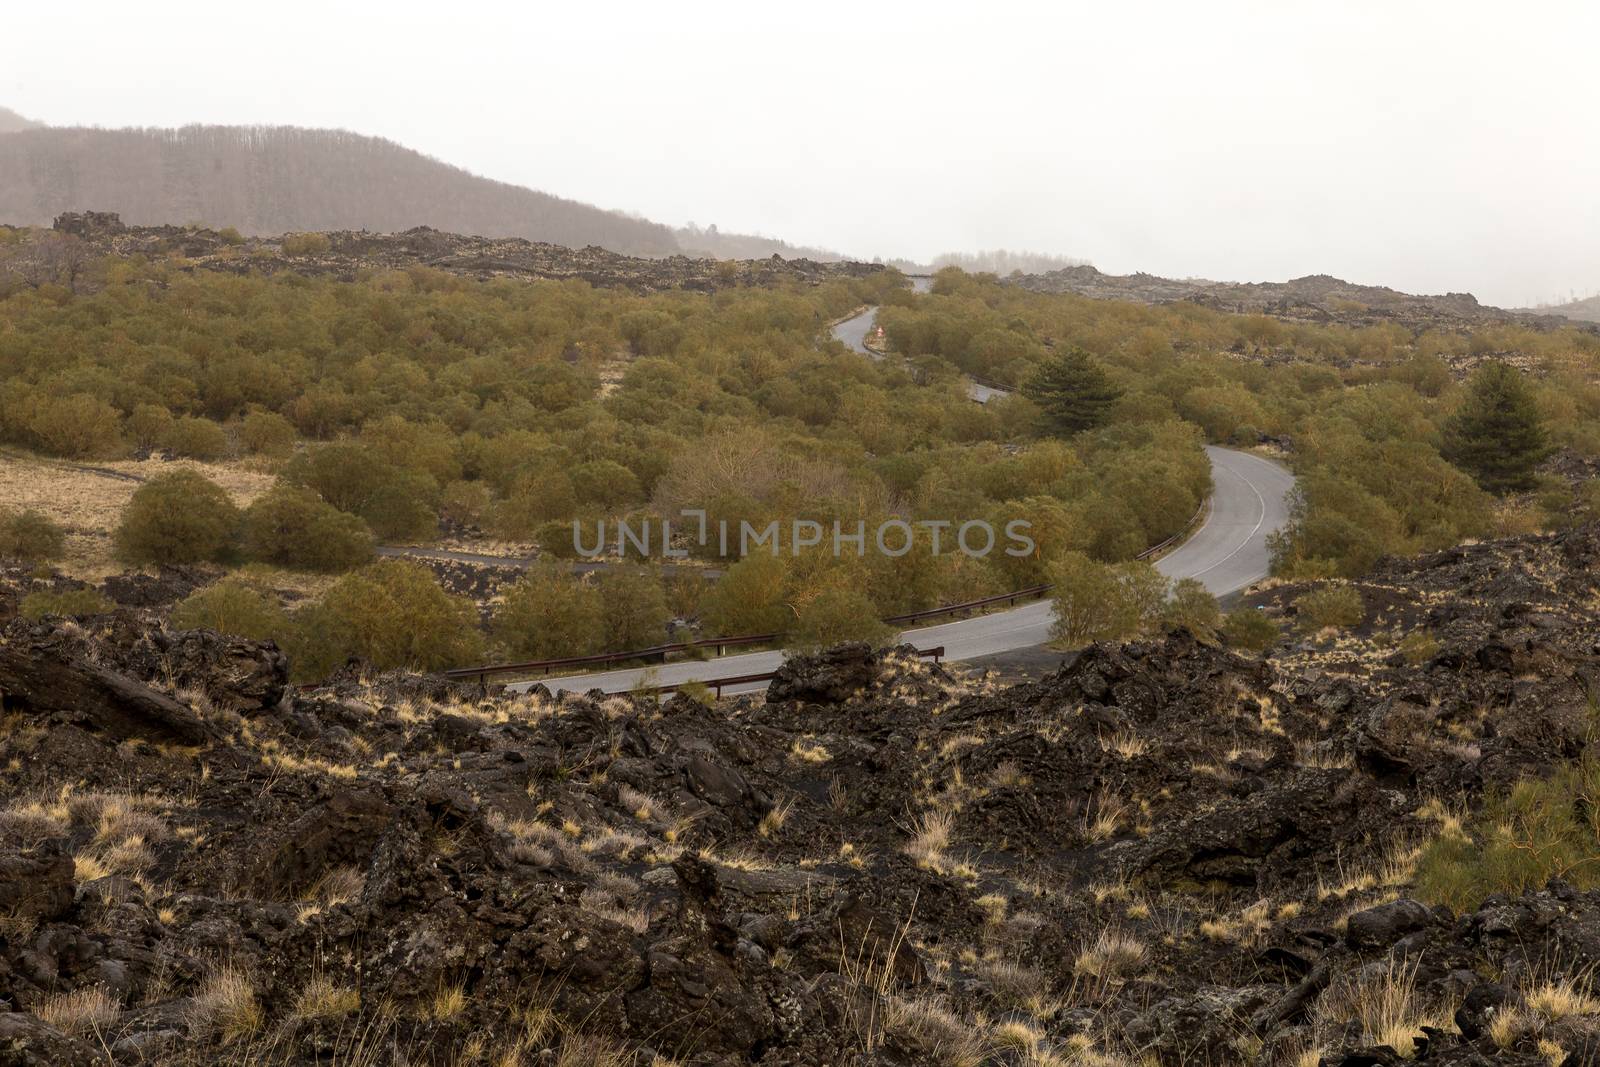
1227	553
1249	501
853	332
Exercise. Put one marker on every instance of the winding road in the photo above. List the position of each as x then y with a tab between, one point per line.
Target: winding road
853	332
1227	552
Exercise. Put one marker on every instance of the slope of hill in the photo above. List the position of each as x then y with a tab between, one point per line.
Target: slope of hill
346	255
11	122
712	243
280	179
1585	310
1314	298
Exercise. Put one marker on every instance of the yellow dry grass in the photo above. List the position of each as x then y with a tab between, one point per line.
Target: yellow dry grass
89	503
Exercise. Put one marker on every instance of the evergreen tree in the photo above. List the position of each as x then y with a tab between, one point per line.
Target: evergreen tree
1497	435
1073	391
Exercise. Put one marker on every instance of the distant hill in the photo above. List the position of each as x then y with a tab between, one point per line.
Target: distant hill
1585	310
710	242
268	180
1314	298
1003	262
10	121
347	255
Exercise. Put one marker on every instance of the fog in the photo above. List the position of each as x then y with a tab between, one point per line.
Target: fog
1427	146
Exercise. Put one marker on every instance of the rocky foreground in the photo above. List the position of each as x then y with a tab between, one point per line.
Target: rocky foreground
1164	853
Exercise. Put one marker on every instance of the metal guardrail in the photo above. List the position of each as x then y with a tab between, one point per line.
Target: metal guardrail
717	684
955	609
722	644
661	652
606	659
1180	535
990	383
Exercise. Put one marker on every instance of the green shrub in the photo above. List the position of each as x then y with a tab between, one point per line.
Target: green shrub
30	536
1249	629
150	425
698	692
555	540
464	503
535	500
390	614
78	426
1540	829
197	439
305	244
177	518
1102	602
67	604
634	605
551	613
838	614
395	502
1498	434
749	598
230	236
1192	607
266	433
1329	605
1418	647
292	527
232	606
605	484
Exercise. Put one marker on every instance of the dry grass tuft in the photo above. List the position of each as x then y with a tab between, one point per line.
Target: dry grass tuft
323	998
641	805
226	1005
587	1050
930	836
82	1011
938	1034
1126	744
1016	1034
774	819
809	752
1104	816
1245	928
448	1002
1561	1000
1389	1009
1007	775
1112	955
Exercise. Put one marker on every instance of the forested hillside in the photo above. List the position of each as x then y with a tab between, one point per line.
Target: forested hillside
281	179
10	121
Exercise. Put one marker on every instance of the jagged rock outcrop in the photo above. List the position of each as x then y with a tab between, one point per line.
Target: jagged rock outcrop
1162	852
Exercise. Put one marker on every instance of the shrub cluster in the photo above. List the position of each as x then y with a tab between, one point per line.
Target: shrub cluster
183	517
30	537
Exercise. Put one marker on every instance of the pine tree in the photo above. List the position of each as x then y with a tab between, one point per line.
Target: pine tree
1073	391
1497	435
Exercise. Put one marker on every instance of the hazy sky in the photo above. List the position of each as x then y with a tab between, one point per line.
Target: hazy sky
1427	146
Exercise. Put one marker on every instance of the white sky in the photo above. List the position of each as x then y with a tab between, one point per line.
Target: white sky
1427	146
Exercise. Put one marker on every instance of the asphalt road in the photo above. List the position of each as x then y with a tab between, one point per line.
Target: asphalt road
853	333
1249	501
1227	553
